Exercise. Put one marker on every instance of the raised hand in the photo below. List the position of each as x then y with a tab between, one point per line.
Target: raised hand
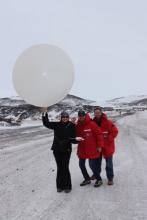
44	109
79	139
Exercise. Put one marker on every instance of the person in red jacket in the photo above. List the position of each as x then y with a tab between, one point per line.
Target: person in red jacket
110	132
89	147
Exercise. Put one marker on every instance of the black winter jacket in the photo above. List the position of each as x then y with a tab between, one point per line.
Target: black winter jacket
64	134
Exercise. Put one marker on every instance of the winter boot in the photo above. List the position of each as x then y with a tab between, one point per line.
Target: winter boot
85	182
59	190
110	182
67	190
93	177
98	183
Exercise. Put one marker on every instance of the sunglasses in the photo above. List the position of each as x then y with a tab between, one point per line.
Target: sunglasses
65	116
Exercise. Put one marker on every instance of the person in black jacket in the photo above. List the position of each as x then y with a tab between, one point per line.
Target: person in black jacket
64	136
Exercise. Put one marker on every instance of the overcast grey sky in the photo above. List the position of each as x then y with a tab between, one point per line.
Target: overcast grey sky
107	41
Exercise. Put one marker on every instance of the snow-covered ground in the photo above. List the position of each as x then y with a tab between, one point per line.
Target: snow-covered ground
28	170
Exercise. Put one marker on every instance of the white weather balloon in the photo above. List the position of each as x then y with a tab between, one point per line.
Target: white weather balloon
43	75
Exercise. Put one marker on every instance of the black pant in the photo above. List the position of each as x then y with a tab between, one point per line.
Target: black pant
94	165
109	167
63	179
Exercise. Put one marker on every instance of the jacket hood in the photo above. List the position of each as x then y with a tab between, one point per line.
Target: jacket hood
104	116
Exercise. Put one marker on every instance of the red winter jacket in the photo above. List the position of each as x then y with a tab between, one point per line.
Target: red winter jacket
93	139
110	131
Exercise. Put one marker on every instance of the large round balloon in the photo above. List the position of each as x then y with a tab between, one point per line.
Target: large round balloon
43	75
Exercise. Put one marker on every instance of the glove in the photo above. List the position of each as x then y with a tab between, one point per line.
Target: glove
43	109
79	139
73	120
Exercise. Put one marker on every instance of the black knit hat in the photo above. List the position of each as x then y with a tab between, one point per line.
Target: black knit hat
81	113
64	114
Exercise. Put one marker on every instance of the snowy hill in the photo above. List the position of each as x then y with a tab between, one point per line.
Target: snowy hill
14	110
11	101
136	101
128	99
69	99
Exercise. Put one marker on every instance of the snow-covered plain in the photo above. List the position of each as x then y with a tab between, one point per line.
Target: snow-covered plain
28	170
